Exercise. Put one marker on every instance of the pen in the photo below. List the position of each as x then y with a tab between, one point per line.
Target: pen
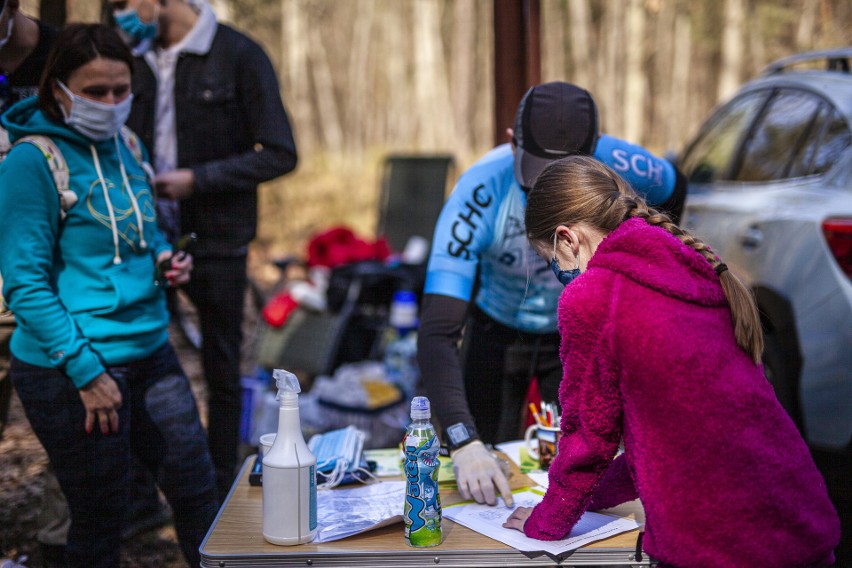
535	415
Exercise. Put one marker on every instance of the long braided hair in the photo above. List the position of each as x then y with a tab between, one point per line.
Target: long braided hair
581	189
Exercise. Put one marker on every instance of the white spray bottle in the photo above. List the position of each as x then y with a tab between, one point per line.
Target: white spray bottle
289	473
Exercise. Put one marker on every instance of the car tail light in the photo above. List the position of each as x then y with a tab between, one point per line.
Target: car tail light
838	234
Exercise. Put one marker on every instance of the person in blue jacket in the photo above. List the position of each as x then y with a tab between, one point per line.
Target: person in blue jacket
92	364
484	278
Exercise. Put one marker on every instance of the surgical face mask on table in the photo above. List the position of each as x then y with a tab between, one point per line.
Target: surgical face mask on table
338	452
564	276
98	121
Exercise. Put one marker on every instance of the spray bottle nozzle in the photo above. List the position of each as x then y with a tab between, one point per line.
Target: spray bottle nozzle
287	383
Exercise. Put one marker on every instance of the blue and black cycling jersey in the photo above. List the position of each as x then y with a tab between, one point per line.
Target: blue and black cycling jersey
481	230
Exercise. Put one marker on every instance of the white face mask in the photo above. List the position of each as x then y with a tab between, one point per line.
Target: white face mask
98	121
5	39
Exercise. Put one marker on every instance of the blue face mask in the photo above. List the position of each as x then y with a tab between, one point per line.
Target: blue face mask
129	21
564	276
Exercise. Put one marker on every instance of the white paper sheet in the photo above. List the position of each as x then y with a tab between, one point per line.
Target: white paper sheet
488	521
345	512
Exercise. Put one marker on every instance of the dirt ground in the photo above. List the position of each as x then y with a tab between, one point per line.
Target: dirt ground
22	466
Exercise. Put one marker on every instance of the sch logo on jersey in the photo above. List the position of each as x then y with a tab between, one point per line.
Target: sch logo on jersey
465	225
640	165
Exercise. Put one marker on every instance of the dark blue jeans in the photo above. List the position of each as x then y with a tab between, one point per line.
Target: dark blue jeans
158	423
217	289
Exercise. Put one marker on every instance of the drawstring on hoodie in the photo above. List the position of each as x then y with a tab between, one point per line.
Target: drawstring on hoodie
139	220
112	220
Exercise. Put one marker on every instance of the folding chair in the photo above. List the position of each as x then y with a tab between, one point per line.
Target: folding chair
413	191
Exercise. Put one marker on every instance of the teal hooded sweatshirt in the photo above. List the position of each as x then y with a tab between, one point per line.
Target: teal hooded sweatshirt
81	288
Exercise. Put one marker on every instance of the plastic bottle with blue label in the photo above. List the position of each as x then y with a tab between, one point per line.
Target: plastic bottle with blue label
289	473
422	512
400	351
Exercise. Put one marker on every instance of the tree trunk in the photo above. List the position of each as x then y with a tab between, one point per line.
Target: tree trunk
358	77
485	103
553	44
634	84
608	90
295	78
679	82
396	24
732	49
805	29
329	117
757	49
660	92
580	24
430	78
463	65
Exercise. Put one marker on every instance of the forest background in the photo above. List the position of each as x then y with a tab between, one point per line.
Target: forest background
365	78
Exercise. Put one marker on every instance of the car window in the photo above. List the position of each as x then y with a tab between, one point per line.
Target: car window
710	157
834	139
804	160
779	136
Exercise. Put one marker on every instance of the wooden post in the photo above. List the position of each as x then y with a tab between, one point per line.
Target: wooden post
517	58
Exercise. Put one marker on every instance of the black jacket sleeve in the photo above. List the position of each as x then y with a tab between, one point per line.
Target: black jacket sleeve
274	151
441	321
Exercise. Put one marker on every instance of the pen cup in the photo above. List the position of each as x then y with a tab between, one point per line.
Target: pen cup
542	444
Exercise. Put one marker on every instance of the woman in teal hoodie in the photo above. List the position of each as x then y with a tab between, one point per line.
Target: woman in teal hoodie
92	364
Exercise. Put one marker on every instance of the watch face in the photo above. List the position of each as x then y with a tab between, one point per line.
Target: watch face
458	434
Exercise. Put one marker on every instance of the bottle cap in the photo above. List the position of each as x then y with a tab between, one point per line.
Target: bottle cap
288	385
420	408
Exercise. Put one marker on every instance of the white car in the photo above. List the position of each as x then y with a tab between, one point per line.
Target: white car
770	190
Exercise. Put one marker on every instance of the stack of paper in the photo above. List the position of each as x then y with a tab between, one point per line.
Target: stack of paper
489	520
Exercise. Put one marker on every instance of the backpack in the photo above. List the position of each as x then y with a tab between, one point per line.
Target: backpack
59	167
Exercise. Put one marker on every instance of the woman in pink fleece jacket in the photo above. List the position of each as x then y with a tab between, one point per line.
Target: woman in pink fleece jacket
661	347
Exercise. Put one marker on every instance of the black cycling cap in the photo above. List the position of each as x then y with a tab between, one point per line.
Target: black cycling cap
554	120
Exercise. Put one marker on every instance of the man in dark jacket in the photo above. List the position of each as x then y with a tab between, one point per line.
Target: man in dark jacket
206	103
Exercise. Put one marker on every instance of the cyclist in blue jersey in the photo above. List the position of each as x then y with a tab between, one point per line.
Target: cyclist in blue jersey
484	278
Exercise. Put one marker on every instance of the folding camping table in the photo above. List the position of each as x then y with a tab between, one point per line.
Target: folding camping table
235	539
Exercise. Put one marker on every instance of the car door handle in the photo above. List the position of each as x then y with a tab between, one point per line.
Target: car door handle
752	238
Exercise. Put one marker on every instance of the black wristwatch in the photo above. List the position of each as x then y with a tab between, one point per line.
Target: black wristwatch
459	434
